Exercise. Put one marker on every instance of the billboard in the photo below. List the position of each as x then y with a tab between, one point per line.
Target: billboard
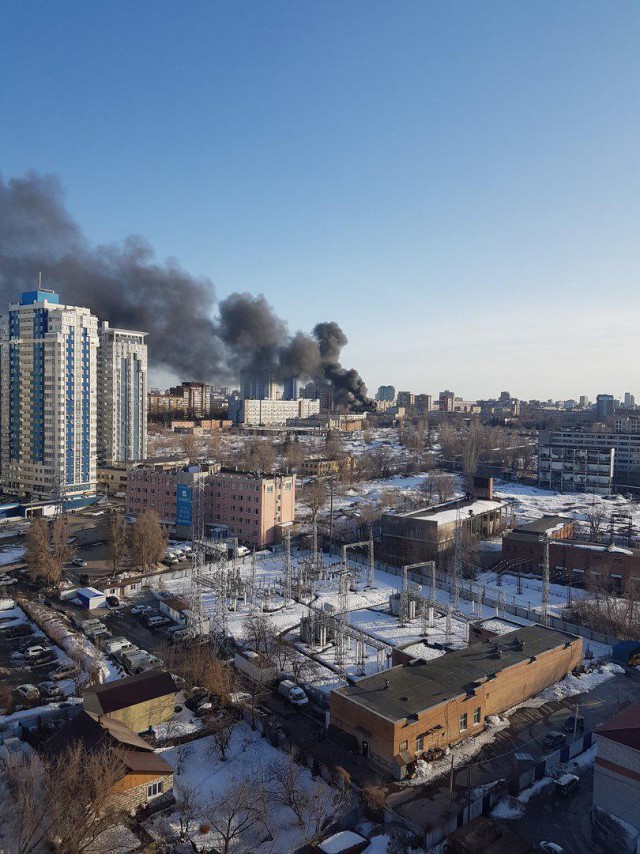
184	496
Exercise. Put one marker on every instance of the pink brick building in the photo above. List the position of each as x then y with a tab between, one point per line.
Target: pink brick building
250	505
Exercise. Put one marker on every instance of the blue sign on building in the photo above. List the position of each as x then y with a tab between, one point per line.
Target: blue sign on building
184	505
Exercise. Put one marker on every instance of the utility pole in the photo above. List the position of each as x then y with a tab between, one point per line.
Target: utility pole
331	511
545	580
457	562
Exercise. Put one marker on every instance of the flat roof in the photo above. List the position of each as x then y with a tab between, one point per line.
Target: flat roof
445	514
410	689
544	525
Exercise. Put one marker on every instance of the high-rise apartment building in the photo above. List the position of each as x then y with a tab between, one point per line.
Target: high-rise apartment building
605	404
446	401
386	392
291	389
122	395
405	398
629	400
48	417
257	385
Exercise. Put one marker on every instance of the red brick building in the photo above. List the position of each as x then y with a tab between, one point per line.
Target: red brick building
400	714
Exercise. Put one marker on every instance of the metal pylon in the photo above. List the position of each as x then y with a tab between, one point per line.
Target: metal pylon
457	562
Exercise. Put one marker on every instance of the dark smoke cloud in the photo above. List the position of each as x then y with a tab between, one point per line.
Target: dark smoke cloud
125	284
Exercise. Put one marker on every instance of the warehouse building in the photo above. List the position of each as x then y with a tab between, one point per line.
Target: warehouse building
419	709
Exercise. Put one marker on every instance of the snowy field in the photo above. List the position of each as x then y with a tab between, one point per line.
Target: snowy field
202	775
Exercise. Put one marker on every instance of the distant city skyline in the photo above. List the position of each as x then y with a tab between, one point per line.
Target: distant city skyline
457	185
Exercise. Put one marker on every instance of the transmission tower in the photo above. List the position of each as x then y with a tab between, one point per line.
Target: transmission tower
288	572
448	625
342	616
404	597
252	588
457	562
371	575
545	580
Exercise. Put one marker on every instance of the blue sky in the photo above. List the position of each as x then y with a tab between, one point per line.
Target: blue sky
457	183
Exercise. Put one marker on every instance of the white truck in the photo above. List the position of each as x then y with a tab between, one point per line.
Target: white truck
292	694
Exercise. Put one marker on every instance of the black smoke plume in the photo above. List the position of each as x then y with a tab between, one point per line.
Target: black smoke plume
188	331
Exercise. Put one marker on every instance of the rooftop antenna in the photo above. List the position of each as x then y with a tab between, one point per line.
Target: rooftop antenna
40	280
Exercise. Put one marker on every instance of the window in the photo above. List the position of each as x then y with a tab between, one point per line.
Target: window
476	716
463	722
154	789
419	743
404	745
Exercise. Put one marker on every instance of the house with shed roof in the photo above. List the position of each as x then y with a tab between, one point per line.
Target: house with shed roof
141	702
616	775
418	709
146	777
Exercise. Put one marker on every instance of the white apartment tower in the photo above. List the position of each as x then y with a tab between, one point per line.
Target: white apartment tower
48	424
122	396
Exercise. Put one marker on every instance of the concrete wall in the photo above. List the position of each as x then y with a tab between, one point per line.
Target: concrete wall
139	717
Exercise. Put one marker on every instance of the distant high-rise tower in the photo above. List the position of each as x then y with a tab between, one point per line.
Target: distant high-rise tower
605	404
629	400
386	392
292	389
48	366
257	385
122	396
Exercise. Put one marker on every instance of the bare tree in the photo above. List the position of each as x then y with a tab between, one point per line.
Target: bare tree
313	806
214	444
315	497
445	486
190	447
261	455
37	555
117	535
147	540
596	518
221	727
294	455
189	806
233	812
470	457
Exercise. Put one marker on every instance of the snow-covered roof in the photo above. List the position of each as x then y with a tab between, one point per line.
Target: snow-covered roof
341	842
447	516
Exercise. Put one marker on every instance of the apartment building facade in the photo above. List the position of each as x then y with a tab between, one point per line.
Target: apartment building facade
48	393
589	461
250	505
122	397
266	411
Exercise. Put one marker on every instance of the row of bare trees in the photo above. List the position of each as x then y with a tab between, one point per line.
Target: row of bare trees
48	548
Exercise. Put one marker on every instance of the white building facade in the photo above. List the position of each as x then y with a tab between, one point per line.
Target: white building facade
122	395
48	399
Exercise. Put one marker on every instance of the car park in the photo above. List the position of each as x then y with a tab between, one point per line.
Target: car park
553	740
571	723
27	692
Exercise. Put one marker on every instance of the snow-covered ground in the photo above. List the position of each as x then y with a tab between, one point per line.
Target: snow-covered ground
200	770
11	555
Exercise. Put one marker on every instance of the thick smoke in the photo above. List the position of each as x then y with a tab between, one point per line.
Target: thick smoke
125	284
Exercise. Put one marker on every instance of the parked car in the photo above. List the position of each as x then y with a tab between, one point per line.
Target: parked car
27	692
155	622
113	602
24	644
29	652
7	604
551	848
566	785
292	694
79	562
19	631
64	671
51	691
139	609
570	724
170	561
196	697
6	580
45	659
554	740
